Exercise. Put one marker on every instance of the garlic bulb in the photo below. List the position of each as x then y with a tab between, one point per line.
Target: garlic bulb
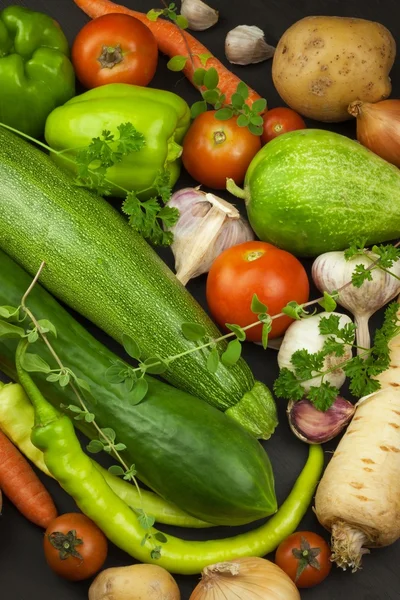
198	14
315	426
305	334
206	227
245	579
331	271
246	45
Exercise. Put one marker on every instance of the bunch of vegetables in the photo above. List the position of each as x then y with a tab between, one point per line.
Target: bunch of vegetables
195	444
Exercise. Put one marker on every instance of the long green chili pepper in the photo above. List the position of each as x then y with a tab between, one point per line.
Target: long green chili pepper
55	436
16	421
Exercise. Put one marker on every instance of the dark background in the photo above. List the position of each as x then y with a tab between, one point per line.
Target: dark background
23	571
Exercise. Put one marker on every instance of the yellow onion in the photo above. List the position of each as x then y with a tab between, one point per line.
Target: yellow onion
247	579
378	127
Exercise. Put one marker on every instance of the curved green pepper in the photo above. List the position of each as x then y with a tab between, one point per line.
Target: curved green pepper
162	117
36	74
55	436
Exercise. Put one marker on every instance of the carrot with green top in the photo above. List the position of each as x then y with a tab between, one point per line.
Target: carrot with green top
173	42
22	487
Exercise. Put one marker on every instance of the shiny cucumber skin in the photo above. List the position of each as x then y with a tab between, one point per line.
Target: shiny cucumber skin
183	448
100	267
313	191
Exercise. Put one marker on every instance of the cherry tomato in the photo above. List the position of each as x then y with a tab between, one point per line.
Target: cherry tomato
114	48
75	548
276	276
278	121
214	150
305	557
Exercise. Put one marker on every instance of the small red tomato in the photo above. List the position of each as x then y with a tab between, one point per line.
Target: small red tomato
278	121
114	48
75	548
214	150
305	557
276	276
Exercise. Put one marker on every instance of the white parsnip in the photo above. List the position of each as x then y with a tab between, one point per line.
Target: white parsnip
358	498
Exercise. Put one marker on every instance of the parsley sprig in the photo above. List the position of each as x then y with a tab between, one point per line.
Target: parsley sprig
381	257
149	217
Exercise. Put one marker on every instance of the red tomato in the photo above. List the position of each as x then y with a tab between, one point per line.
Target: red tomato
75	548
214	150
276	276
278	121
114	48
305	557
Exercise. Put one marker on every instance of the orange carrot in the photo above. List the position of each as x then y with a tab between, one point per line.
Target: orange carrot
22	486
170	42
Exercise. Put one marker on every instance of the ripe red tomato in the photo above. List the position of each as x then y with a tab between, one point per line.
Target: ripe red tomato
75	548
114	48
305	557
276	276
278	121
214	150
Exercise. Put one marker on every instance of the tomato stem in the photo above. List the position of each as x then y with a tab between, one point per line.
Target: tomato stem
219	137
110	56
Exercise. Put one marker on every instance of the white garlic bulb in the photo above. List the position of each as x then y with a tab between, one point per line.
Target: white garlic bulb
246	45
207	226
198	14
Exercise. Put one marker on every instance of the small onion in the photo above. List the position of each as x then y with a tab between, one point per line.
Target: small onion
245	579
378	127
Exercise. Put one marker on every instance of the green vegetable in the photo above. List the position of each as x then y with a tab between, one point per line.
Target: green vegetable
17	420
54	435
35	72
212	469
161	116
312	191
100	267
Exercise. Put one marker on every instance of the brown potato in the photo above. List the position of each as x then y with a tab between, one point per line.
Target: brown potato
321	64
135	582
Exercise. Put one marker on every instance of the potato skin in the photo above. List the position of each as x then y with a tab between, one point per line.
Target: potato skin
322	64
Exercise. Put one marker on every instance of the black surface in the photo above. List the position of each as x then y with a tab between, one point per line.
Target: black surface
23	572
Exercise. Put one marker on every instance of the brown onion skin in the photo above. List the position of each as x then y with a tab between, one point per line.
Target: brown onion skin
378	127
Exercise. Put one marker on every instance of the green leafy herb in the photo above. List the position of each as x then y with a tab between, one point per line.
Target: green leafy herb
328	302
237	330
295	311
213	361
33	363
8	330
232	353
265	333
116	470
177	63
95	446
193	331
257	306
131	347
8	312
154	365
139	391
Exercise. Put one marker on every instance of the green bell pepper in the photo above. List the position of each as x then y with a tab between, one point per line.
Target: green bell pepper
162	117
36	74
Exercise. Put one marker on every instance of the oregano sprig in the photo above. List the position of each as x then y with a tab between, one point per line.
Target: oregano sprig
38	330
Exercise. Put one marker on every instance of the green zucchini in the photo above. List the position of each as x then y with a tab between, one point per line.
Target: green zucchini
312	191
100	267
187	451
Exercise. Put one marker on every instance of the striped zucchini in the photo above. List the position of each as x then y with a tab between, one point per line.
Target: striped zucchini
100	267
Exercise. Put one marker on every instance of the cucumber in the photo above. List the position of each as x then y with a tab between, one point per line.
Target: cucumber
184	449
100	267
312	191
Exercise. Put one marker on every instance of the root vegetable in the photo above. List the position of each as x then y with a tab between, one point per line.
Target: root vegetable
358	498
135	582
322	64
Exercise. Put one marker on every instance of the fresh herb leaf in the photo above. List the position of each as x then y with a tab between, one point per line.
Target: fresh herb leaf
232	353
387	254
155	554
89	417
198	108
237	330
243	90
154	365
33	363
361	274
116	470
7	312
9	331
160	537
266	328
287	385
95	446
182	22
294	310
204	58
177	63
154	13
307	365
328	302
64	379
257	306
53	377
130	473
211	79
355	249
213	361
131	347
323	396
83	384
259	106
33	336
193	331
145	521
120	447
224	114
139	391
243	121
198	76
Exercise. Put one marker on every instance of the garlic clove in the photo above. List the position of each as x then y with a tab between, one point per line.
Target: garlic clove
316	427
198	14
207	226
246	45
